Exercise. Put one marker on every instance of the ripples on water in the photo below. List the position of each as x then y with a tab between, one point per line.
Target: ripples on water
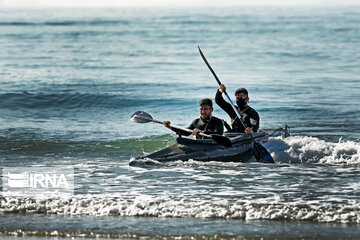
71	79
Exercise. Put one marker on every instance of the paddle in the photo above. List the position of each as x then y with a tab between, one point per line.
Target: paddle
143	117
260	152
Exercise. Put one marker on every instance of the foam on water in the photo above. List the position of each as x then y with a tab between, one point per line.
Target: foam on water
303	149
151	206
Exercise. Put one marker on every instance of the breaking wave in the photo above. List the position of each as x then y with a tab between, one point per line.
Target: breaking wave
157	207
303	149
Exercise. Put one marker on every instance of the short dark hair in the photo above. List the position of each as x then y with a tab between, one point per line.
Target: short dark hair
241	90
205	101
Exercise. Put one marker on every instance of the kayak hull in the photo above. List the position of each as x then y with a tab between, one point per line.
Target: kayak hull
206	150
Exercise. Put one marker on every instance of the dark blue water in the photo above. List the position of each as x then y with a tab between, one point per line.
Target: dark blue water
71	78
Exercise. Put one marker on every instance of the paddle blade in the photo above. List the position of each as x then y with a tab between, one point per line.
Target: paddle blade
225	141
141	117
261	154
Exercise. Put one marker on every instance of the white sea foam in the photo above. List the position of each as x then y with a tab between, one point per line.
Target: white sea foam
158	207
144	162
302	149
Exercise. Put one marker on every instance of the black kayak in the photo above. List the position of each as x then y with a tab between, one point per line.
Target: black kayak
206	150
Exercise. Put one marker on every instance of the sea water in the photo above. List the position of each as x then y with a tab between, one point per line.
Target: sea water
70	80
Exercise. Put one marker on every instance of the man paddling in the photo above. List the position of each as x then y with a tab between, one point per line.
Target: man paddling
250	116
207	123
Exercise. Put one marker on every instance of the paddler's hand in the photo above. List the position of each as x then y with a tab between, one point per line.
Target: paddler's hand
249	130
167	124
222	88
196	131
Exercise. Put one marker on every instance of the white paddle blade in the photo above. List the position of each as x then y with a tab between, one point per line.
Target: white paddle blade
141	117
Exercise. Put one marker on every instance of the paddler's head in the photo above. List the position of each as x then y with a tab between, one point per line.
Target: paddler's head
242	97
206	108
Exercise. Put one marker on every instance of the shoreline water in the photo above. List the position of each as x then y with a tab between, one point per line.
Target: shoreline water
169	228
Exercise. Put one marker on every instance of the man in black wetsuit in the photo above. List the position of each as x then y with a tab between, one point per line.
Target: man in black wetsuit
249	115
207	123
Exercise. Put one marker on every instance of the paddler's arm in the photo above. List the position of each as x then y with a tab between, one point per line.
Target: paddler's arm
254	122
223	104
167	124
193	127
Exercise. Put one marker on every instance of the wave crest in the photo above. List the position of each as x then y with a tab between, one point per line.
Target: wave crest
303	149
159	207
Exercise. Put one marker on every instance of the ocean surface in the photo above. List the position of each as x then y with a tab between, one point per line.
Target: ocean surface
71	78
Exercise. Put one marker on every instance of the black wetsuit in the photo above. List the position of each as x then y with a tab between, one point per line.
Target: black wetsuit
249	115
213	125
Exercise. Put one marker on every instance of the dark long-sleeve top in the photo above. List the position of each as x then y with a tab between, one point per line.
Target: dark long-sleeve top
213	125
249	115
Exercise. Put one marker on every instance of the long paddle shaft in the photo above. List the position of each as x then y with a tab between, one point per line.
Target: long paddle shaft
218	81
180	128
184	129
143	117
264	158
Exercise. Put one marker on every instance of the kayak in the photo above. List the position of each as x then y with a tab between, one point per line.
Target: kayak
206	150
230	147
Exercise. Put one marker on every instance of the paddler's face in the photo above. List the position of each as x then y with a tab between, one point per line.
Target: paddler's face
241	96
205	111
